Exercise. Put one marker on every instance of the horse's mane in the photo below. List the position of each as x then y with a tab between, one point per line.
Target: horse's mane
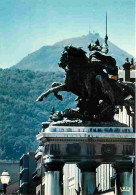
73	58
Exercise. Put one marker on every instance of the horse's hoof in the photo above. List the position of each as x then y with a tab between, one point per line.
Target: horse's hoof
39	99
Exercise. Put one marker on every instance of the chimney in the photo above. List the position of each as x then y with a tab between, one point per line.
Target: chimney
126	67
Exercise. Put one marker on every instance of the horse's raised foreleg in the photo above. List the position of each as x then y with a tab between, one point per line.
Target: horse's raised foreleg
54	90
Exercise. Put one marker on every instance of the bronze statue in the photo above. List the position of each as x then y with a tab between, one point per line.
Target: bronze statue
98	95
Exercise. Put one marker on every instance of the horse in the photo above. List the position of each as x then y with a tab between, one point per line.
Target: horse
88	78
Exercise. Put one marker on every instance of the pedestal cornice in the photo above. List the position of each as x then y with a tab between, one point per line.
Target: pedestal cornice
73	144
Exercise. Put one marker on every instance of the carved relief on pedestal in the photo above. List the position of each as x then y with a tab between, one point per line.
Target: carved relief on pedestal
108	149
73	149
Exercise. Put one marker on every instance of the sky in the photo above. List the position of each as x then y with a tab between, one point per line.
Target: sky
27	25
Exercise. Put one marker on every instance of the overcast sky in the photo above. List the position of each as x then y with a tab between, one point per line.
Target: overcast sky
27	25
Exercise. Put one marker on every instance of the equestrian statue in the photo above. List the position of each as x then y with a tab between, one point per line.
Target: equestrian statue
90	79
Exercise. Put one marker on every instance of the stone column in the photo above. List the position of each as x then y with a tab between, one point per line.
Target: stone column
54	178
124	178
88	177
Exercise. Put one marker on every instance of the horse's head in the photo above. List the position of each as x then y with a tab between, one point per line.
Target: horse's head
73	57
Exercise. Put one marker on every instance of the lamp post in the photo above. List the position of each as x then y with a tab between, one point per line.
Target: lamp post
5	177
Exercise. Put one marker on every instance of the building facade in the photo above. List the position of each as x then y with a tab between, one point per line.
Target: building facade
38	175
27	167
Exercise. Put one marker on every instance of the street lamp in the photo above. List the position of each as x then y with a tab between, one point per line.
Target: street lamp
5	177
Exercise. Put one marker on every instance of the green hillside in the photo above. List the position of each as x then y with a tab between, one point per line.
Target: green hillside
20	114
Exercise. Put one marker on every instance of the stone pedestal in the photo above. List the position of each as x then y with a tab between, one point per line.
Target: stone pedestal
88	177
87	147
54	179
124	179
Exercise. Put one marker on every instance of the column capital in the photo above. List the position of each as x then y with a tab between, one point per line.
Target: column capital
54	166
88	166
123	166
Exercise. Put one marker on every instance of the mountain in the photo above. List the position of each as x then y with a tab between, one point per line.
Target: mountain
47	57
20	115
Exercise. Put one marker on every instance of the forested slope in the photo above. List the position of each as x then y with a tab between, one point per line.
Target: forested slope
20	114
